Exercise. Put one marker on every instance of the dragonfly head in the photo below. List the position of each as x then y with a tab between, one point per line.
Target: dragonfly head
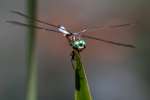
79	44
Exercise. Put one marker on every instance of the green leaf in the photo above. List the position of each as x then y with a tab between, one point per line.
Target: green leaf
82	90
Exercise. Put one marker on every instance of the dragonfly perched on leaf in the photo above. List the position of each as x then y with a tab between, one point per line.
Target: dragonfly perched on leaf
75	39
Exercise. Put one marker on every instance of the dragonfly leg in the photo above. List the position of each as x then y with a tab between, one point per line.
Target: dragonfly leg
73	59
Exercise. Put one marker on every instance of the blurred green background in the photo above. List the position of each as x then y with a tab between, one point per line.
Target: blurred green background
114	73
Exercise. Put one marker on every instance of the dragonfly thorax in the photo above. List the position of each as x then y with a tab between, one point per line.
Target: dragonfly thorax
74	38
76	42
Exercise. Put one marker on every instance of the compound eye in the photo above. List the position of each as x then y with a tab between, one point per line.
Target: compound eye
80	44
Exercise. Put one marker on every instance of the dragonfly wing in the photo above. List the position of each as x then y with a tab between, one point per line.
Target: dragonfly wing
105	27
120	25
110	42
40	21
30	25
26	16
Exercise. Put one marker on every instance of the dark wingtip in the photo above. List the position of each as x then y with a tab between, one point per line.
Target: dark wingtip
130	46
133	46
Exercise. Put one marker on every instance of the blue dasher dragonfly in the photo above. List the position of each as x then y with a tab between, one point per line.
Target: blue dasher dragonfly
75	39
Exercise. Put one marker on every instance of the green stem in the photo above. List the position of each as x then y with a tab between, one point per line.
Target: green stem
31	59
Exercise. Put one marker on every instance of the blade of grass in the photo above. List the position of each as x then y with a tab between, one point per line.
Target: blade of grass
31	59
82	91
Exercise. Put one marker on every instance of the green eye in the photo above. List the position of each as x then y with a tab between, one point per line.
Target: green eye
79	44
76	42
82	42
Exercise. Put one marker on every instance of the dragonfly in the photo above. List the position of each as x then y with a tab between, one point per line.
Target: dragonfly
75	39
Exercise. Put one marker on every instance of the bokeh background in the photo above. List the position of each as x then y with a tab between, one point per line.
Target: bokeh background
114	73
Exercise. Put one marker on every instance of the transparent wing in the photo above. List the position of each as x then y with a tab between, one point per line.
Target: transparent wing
86	29
120	25
30	25
107	41
28	17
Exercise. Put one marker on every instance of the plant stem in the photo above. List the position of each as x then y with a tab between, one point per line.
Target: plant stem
31	59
